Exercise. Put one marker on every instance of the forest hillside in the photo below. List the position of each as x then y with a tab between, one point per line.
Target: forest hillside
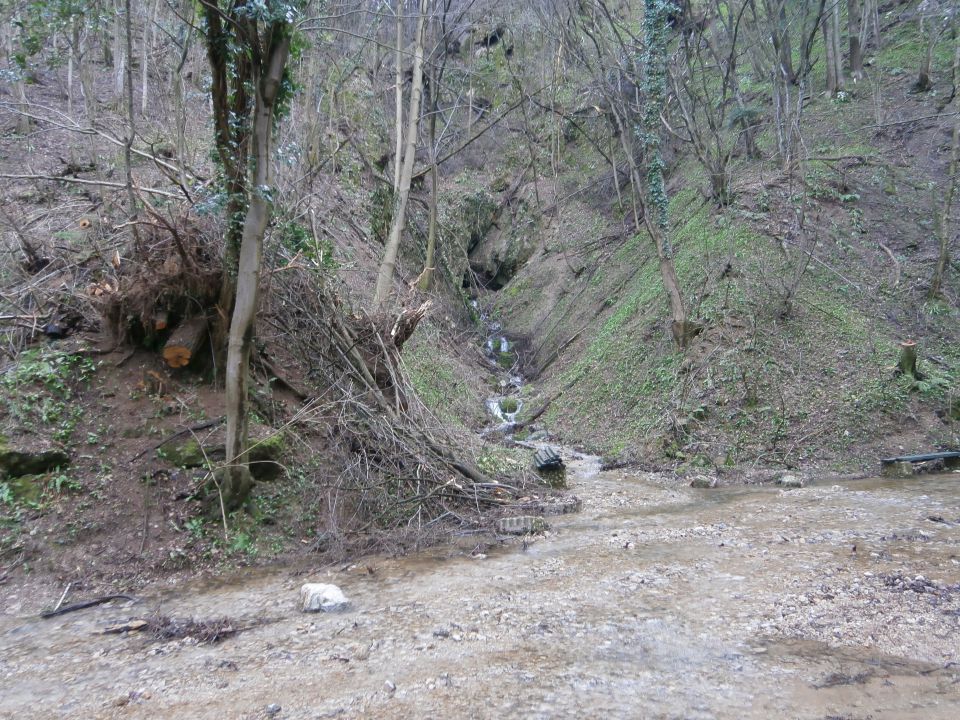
287	278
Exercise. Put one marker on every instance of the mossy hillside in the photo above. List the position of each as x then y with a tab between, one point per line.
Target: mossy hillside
772	373
441	379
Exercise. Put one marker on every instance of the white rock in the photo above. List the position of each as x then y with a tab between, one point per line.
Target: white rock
320	597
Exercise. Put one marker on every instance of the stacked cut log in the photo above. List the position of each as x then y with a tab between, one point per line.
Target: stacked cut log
547	459
185	343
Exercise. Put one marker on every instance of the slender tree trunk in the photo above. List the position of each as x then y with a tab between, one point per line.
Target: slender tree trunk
398	100
854	26
131	126
266	83
119	55
924	83
426	278
816	18
785	48
179	92
83	67
72	61
944	221
831	48
231	85
829	67
149	21
388	264
873	20
10	33
837	56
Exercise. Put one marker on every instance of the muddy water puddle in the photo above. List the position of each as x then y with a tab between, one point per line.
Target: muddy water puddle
657	601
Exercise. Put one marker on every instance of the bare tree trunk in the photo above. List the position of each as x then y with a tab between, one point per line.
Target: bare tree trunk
131	125
830	68
398	100
831	48
120	57
654	86
72	60
837	55
781	37
9	43
149	31
78	65
854	27
266	84
924	83
943	222
389	262
426	277
179	92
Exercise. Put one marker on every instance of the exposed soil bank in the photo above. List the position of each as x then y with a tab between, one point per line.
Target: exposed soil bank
657	601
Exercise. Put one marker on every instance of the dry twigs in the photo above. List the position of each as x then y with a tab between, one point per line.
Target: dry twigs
404	470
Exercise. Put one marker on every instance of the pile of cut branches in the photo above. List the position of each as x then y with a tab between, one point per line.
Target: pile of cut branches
404	469
174	273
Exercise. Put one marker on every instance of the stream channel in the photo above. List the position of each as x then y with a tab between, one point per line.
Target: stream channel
658	600
504	360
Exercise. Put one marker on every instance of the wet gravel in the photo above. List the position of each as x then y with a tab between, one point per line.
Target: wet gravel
657	601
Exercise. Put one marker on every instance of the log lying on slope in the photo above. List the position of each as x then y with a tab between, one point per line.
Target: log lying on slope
185	343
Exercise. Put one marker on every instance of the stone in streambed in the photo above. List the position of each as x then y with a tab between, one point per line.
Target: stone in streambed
521	525
703	481
899	469
790	481
321	597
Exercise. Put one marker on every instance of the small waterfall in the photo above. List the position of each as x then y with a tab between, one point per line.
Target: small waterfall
502	356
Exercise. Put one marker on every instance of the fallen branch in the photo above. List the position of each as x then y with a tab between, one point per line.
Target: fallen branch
180	433
163	627
99	183
538	412
84	605
896	265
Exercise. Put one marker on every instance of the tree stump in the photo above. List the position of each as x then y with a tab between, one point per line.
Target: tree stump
185	343
907	364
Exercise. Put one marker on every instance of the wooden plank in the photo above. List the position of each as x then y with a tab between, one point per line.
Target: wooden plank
921	458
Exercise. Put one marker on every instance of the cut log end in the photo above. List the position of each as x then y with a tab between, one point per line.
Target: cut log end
161	321
177	356
185	343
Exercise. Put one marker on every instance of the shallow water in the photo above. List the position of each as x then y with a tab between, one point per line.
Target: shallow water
657	601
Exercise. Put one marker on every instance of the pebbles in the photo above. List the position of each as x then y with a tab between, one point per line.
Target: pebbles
655	591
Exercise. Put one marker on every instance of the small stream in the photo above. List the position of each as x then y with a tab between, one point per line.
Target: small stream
502	356
657	601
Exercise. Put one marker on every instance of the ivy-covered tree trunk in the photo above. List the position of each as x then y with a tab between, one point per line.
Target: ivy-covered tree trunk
231	78
656	218
248	47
